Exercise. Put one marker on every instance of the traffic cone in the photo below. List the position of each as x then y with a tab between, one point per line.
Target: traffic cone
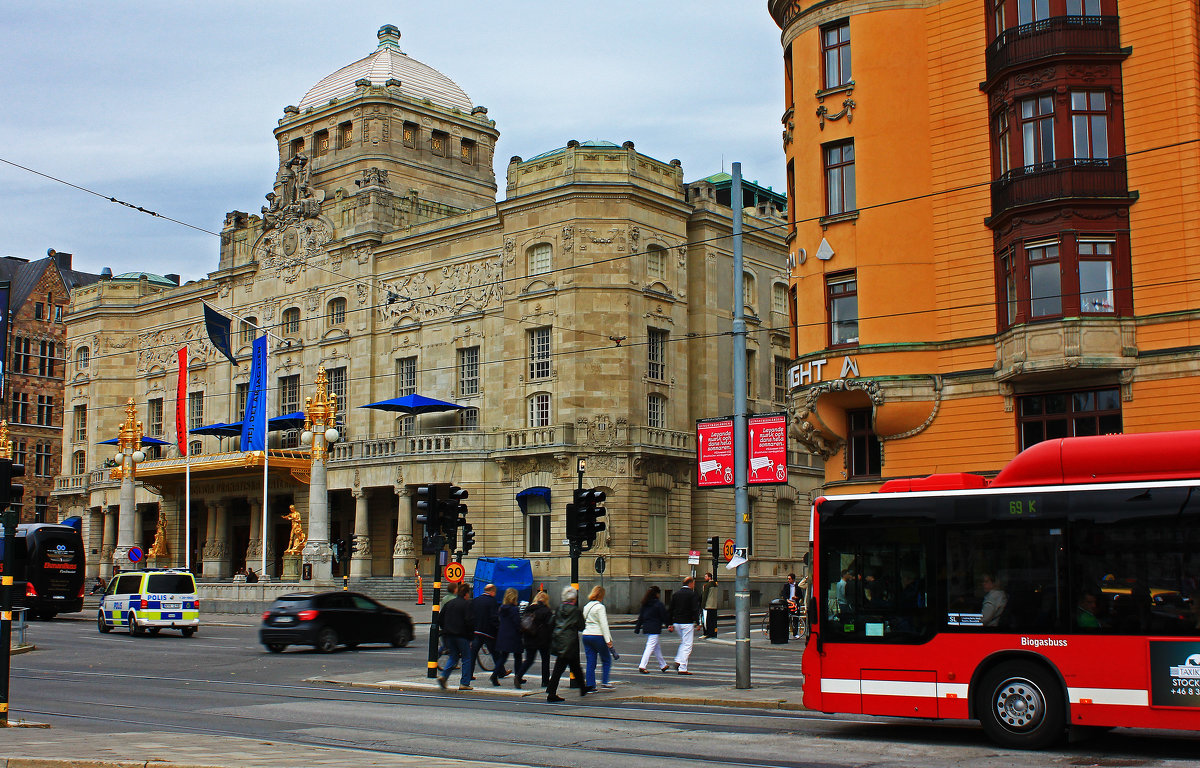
420	590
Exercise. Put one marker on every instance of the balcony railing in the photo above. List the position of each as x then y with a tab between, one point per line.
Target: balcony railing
1069	178
1053	37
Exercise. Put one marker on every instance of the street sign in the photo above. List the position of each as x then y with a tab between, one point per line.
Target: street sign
727	550
455	573
600	564
694	557
135	554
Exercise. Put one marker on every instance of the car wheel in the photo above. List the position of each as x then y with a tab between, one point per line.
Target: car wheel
276	647
101	624
188	631
154	630
327	640
1021	706
402	637
134	629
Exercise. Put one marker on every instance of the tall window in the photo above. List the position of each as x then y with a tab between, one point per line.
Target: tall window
539	410
336	312
656	411
345	135
20	408
863	455
538	258
406	426
249	325
998	19
46	358
1029	11
468	419
1008	273
780	390
656	263
656	521
839	178
83	358
842	298
1037	131
466	151
321	143
195	448
1045	284
539	353
79	418
779	298
21	346
195	410
656	354
1068	414
784	528
79	463
336	378
835	52
45	410
468	371
41	459
1096	276
537	523
751	367
406	376
289	394
1003	152
748	297
1089	124
291	320
154	417
438	141
19	454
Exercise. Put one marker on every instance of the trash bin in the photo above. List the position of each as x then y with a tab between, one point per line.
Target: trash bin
778	617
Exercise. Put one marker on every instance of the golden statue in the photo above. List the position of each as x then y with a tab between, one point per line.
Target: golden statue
160	548
299	538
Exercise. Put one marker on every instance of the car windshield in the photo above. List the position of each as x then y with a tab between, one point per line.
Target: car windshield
290	602
171	583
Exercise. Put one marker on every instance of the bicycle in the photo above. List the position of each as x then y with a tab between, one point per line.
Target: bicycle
797	624
483	659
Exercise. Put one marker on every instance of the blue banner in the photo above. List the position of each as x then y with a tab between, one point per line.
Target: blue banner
254	421
218	332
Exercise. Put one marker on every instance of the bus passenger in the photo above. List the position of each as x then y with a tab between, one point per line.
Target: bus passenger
995	599
845	593
1085	612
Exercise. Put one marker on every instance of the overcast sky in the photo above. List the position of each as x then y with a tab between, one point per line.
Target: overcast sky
170	106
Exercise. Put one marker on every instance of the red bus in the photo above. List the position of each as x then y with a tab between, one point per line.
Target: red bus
1061	593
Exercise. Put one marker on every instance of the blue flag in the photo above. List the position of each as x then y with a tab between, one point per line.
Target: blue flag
254	420
218	331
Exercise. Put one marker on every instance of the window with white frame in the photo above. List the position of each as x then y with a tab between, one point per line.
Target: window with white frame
335	313
656	411
656	263
784	523
748	297
248	329
538	257
537	525
656	354
291	320
83	358
289	394
468	419
406	376
195	448
779	295
154	417
79	463
656	521
468	371
195	410
241	394
539	410
539	353
79	417
781	366
406	426
1096	275
337	386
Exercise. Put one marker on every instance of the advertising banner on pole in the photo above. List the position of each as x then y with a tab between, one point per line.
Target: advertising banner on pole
767	449
714	452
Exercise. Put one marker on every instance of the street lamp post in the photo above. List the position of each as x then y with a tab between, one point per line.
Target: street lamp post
319	433
129	455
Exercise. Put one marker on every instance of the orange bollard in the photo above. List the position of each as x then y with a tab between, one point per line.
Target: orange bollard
420	590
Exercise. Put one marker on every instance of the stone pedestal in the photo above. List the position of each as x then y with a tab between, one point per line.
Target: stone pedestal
291	568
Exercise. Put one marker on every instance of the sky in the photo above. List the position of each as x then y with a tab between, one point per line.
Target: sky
170	106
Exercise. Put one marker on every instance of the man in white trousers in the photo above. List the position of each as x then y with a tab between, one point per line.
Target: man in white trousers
685	612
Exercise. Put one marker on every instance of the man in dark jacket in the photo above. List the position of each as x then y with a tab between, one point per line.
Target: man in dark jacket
454	622
485	613
685	612
568	623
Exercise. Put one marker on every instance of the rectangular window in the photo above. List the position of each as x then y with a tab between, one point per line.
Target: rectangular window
1029	11
864	458
45	410
195	410
1003	156
751	366
41	459
154	417
21	346
406	376
539	410
79	463
336	378
656	520
835	52
289	394
538	258
842	296
46	358
79	417
1083	7
539	353
291	320
409	134
1089	125
780	390
466	151
779	298
20	408
321	143
1037	131
1045	284
1004	576
1068	414
438	141
41	505
784	528
345	135
656	263
656	354
998	20
656	411
468	419
406	426
1008	273
241	397
19	454
468	371
537	522
839	178
58	313
39	311
1096	276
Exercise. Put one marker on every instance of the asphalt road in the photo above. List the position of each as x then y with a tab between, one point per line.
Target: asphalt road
222	683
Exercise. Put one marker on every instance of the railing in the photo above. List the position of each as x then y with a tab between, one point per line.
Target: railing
1052	37
660	438
535	437
1072	177
411	445
71	483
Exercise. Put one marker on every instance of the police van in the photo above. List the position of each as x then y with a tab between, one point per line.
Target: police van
150	600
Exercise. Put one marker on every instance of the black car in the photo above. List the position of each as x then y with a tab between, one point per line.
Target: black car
326	620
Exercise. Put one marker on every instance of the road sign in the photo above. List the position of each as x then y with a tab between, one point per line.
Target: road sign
727	549
600	564
135	555
694	557
455	573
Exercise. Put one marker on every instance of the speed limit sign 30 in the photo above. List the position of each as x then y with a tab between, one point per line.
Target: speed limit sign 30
455	573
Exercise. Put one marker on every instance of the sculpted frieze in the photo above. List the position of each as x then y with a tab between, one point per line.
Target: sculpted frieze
443	292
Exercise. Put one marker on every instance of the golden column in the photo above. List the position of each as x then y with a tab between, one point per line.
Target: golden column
320	412
129	455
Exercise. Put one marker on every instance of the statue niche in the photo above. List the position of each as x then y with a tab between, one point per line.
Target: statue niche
291	198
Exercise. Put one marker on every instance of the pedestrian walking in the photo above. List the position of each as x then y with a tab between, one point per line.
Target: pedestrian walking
537	626
508	636
710	598
454	621
685	612
485	615
651	619
597	640
568	621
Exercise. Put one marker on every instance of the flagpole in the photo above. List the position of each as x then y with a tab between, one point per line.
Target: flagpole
266	454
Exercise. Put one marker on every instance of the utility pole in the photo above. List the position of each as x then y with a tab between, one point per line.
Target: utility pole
741	586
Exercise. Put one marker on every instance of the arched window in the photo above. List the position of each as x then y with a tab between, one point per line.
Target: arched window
406	426
656	263
538	258
748	297
195	448
779	294
79	462
249	325
83	358
335	313
539	410
291	320
469	419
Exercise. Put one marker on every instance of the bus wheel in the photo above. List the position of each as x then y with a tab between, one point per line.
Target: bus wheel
1021	706
101	624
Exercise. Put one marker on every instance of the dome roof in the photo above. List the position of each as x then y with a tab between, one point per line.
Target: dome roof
417	80
156	279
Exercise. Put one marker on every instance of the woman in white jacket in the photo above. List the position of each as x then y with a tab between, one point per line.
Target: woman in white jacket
597	640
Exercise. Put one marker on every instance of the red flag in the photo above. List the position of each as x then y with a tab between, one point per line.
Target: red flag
181	404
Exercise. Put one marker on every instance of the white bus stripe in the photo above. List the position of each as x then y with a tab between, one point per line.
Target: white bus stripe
1130	697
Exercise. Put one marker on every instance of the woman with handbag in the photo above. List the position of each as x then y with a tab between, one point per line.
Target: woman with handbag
537	625
568	620
508	637
651	620
597	640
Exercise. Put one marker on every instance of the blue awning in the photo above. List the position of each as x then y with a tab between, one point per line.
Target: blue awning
535	492
146	440
234	428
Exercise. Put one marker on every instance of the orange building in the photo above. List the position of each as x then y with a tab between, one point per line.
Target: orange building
994	237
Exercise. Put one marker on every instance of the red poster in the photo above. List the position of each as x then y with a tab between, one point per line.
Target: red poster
714	449
767	449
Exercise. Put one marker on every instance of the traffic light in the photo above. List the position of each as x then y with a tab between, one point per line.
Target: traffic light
339	551
429	510
10	493
590	513
714	547
575	516
468	538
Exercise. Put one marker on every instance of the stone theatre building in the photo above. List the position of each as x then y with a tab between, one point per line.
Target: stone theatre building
586	315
